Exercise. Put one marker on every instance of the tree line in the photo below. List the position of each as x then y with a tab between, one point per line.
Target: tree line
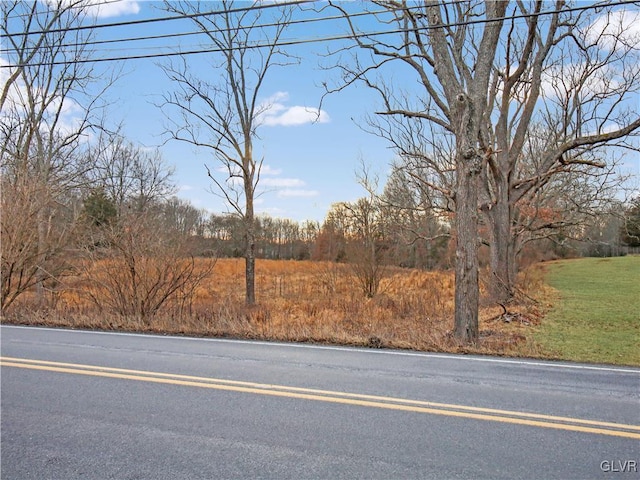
122	206
508	125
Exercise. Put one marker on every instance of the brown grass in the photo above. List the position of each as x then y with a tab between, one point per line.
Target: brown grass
305	301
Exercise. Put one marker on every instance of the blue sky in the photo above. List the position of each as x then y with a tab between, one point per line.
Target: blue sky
308	165
310	162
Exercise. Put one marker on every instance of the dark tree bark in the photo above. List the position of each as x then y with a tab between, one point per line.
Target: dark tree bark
434	43
523	67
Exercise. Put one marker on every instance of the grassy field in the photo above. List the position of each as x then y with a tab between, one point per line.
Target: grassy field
592	309
301	301
596	312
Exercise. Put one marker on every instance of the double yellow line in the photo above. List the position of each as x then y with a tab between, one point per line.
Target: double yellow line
345	398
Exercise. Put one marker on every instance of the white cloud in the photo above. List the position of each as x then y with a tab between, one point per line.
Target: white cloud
272	211
270	181
116	9
565	80
613	29
16	90
274	112
294	116
282	182
4	71
269	170
67	114
277	98
102	9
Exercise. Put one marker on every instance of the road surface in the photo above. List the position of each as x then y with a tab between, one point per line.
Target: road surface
93	405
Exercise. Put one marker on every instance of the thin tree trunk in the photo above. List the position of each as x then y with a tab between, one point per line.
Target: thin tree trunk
42	248
250	270
250	247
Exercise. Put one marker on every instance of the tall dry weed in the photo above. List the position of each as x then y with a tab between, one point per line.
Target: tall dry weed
305	301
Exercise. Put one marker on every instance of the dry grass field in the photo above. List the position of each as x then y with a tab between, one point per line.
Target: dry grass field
305	301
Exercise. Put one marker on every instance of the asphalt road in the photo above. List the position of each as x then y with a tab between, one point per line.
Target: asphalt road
91	405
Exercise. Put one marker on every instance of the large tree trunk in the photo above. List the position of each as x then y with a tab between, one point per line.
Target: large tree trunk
502	252
466	285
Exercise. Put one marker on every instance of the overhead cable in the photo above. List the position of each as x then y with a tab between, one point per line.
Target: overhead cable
261	6
332	38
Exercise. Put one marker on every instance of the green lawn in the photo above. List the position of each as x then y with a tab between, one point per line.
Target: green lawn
597	315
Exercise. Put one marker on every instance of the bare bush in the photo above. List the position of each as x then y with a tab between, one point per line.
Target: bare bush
31	243
142	269
366	262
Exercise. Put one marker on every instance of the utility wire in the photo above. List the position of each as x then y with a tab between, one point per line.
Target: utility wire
200	32
256	6
262	6
200	14
347	36
66	8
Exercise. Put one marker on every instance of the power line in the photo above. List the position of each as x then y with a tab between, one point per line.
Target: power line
262	6
195	15
303	41
67	8
200	32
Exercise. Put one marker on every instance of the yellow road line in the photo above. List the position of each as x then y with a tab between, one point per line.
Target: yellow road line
284	388
391	403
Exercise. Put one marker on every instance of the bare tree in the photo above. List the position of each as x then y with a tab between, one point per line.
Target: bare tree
131	176
137	252
222	112
50	101
365	245
416	225
453	63
630	229
182	216
561	207
28	28
330	242
24	262
487	73
142	267
563	99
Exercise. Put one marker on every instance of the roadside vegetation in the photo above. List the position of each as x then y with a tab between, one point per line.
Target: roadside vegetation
581	309
302	301
436	256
